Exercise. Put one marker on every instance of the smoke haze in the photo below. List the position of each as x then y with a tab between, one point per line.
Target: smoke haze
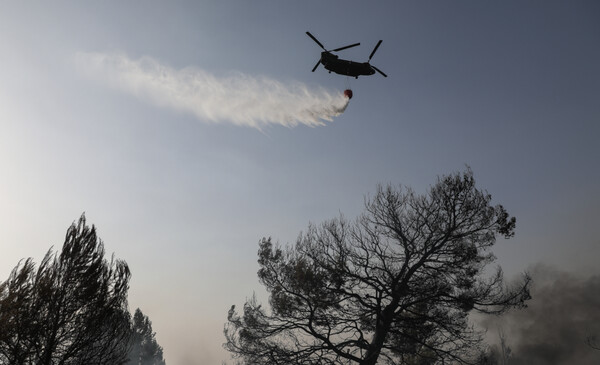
562	315
236	98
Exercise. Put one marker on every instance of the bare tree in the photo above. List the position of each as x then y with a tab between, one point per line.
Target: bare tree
71	310
395	286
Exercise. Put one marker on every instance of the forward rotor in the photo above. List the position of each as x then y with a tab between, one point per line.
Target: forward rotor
324	49
330	50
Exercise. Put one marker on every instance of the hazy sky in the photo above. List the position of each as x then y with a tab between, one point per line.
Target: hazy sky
181	129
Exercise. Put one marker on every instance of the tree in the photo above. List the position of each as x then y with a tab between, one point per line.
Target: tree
16	322
71	310
505	350
144	350
395	286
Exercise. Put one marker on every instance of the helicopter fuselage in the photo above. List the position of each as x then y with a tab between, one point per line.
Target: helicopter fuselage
333	63
340	66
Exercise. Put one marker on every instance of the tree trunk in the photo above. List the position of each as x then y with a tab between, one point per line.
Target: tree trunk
384	322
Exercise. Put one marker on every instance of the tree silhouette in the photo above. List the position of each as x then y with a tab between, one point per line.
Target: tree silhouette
144	350
395	286
72	309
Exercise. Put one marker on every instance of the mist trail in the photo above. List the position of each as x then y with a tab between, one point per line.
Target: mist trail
236	98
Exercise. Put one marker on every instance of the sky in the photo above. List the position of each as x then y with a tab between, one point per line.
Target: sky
188	130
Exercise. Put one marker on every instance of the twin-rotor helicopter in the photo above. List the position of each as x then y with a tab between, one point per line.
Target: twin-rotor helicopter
340	66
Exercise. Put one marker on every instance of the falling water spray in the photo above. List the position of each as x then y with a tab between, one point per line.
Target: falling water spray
253	101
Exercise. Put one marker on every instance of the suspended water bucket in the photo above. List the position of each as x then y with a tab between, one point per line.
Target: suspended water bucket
348	93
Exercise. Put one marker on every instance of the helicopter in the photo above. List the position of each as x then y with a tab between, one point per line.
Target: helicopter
340	66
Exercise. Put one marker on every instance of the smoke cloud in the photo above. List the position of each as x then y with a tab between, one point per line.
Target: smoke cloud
236	98
559	324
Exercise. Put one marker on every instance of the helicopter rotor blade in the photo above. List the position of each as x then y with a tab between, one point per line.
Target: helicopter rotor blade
341	48
317	65
375	49
378	70
315	39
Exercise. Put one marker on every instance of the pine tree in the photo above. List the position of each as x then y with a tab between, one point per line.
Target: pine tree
144	350
71	309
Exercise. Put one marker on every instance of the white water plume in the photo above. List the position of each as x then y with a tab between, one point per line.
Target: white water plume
237	98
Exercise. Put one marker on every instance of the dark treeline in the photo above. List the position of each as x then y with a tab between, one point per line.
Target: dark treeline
72	309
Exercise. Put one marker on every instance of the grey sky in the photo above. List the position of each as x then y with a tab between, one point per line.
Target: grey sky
511	89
